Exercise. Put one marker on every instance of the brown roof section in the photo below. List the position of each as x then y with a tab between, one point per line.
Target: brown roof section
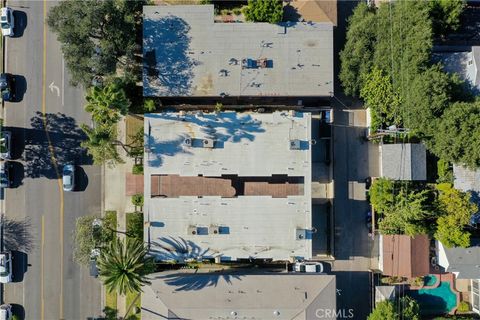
133	184
404	256
313	10
276	190
173	186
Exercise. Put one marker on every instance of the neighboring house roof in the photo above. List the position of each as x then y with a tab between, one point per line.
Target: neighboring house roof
405	256
174	295
403	161
219	200
463	262
383	293
133	184
464	63
187	54
468	180
312	10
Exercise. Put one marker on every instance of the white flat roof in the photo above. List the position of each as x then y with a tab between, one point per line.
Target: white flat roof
249	145
188	51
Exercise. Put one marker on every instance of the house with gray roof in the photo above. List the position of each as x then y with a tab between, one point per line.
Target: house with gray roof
280	296
403	161
187	54
465	63
468	180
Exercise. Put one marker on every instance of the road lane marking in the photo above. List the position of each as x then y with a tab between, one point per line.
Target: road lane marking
52	154
42	302
52	86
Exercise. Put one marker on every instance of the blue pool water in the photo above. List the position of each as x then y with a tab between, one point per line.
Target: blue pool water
430	280
438	300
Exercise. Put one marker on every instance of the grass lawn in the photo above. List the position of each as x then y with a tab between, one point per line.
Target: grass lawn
130	298
110	299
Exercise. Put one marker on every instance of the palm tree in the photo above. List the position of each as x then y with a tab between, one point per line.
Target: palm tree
101	144
107	104
123	266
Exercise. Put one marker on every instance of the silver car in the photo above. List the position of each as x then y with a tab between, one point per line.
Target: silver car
68	177
6	21
5	144
5	267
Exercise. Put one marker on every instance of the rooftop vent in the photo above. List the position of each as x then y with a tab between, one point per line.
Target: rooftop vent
187	142
208	143
192	230
213	229
295	144
301	234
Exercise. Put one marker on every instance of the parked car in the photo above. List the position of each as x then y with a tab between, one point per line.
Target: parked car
68	177
308	267
7	21
5	312
368	221
5	144
326	115
7	86
6	267
5	174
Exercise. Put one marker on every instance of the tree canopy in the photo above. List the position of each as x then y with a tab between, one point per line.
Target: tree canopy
446	15
106	104
123	266
264	11
456	209
404	308
101	144
97	36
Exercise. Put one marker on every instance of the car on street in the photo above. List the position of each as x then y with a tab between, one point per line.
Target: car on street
7	21
308	267
5	144
5	174
5	312
7	86
6	267
68	177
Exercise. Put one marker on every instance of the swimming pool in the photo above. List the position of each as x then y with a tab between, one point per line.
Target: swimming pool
437	300
429	280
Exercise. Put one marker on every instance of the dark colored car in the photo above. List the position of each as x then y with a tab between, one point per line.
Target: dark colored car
5	174
7	86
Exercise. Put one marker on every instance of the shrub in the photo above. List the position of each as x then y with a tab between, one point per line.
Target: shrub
149	105
137	200
463	307
135	225
417	282
218	107
225	12
137	169
263	11
444	171
237	11
205	1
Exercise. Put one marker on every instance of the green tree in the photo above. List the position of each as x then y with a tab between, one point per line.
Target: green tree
124	266
264	11
97	36
356	58
457	138
379	95
456	209
101	145
409	308
446	15
381	195
384	310
106	104
409	215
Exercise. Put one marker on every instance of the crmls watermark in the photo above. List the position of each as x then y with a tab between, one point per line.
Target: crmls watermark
334	314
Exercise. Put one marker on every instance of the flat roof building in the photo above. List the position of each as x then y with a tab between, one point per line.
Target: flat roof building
282	296
229	185
187	54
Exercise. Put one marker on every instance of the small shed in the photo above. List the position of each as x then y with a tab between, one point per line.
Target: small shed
403	161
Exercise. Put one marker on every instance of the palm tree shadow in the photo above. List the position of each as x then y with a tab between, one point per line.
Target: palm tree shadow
17	235
187	282
177	249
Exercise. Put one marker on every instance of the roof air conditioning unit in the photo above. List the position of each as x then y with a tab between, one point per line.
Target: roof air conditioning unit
295	144
208	143
187	142
214	229
292	113
192	230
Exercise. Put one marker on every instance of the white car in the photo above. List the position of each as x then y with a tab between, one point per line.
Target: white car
68	177
5	267
5	312
309	267
5	144
6	21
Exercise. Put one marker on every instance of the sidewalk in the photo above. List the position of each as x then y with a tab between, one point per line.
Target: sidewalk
115	198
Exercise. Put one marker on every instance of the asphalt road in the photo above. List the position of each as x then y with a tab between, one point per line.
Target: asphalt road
48	284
